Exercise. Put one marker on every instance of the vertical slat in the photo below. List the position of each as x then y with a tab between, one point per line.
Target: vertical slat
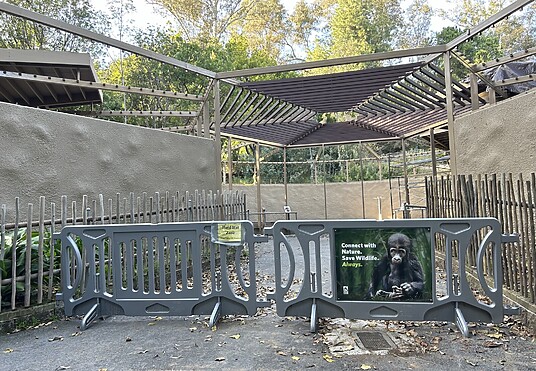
168	217
173	208
532	272
508	215
151	210
138	209
40	269
101	208
3	212
524	231
84	210
144	207
513	217
157	202
28	262
501	205
110	211
117	212
132	217
14	254
196	205
73	213
52	251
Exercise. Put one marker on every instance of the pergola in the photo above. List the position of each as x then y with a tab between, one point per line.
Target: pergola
411	93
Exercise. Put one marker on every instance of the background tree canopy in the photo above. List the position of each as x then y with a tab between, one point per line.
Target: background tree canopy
223	35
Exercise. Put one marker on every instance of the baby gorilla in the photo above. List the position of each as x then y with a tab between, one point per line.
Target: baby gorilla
399	274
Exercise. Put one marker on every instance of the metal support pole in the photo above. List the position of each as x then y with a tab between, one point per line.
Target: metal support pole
363	214
285	175
217	119
206	120
199	124
450	113
474	91
433	150
324	178
406	181
230	162
258	182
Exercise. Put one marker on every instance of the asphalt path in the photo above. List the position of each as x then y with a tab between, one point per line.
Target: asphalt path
264	342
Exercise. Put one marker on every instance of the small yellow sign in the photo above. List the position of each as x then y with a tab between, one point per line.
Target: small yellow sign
230	233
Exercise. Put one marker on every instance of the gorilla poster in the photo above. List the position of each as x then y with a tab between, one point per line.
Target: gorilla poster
384	264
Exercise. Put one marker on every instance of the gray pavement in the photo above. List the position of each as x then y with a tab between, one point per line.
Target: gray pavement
265	342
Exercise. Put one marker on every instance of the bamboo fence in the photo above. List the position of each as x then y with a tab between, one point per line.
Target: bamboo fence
511	200
27	261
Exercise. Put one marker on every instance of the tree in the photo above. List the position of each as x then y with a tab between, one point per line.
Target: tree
206	19
479	49
304	21
263	26
357	27
415	30
18	33
515	33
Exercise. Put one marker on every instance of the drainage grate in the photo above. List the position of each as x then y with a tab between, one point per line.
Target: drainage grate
373	340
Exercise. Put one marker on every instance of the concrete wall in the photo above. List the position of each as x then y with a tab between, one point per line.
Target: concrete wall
53	154
343	199
499	138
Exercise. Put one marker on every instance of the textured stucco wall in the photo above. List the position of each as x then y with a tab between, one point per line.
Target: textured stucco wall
53	154
343	199
499	138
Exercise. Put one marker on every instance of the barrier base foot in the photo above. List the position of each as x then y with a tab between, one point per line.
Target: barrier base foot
461	323
314	319
216	314
90	316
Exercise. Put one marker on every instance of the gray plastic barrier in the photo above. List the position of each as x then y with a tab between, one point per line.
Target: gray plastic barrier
340	259
158	269
356	269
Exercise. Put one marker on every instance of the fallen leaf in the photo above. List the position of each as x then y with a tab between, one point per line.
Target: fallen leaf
214	328
152	323
63	368
295	358
492	343
192	329
496	336
158	318
128	339
219	359
103	369
56	338
281	353
474	364
328	358
365	367
143	351
236	336
8	350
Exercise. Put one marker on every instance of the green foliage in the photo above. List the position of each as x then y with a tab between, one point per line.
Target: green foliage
19	33
478	49
19	244
359	27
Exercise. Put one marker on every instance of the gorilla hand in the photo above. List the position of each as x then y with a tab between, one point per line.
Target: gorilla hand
407	289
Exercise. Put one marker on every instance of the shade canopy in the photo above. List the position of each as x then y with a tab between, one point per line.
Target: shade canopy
34	90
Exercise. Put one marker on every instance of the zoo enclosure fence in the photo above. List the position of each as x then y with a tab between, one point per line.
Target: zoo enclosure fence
511	200
30	258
